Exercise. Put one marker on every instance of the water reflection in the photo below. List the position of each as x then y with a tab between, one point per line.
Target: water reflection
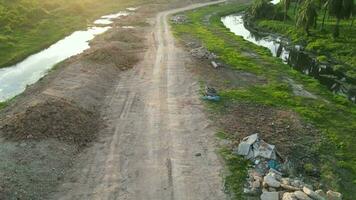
14	79
294	56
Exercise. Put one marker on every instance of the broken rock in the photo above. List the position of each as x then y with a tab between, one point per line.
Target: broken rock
289	188
271	181
312	194
301	195
289	196
270	196
331	195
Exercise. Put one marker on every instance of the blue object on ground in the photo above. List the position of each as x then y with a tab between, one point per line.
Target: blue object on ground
211	98
272	164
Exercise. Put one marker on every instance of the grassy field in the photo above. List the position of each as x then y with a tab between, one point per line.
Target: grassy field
321	42
28	26
334	116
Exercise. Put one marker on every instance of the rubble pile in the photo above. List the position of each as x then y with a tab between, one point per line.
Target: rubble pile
266	175
203	53
179	19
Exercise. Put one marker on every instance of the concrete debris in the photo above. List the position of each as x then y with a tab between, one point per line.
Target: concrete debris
301	195
312	194
179	19
271	181
253	147
289	188
203	53
270	196
289	196
265	175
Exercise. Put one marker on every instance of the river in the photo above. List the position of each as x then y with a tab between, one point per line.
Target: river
14	79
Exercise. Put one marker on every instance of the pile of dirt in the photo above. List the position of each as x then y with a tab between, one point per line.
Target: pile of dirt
113	54
279	127
119	47
51	118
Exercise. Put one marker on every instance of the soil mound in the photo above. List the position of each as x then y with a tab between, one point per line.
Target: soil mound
51	118
112	53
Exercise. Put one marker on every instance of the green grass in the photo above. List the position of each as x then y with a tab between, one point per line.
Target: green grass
320	41
29	27
237	167
333	115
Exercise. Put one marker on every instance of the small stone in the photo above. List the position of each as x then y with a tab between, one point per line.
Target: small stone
285	181
277	175
297	183
198	154
331	195
289	196
256	185
271	189
312	194
270	196
257	178
289	188
301	195
271	181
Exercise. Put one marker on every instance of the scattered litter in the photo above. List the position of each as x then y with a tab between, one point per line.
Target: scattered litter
216	64
203	53
266	177
211	94
253	147
179	19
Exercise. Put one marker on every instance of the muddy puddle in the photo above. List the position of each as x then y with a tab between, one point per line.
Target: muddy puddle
295	56
14	79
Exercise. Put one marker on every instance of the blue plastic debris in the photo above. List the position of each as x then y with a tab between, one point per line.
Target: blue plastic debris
211	98
273	164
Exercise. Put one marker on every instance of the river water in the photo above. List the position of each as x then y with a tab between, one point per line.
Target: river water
14	79
294	56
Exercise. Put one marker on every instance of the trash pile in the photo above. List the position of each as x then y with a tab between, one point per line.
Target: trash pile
203	53
179	19
266	176
211	94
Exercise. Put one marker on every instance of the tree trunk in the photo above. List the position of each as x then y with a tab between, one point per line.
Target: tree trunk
322	24
296	6
336	32
316	22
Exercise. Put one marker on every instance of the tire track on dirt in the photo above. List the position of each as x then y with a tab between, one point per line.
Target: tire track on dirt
155	128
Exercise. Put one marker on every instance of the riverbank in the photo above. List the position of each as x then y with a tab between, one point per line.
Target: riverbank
341	50
316	132
56	20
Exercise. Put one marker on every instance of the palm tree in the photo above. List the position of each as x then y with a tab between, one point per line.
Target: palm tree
324	4
307	15
297	4
286	5
341	9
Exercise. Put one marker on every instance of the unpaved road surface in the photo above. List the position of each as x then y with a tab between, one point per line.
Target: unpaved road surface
155	133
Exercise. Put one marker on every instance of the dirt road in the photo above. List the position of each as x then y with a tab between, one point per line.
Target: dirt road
158	143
